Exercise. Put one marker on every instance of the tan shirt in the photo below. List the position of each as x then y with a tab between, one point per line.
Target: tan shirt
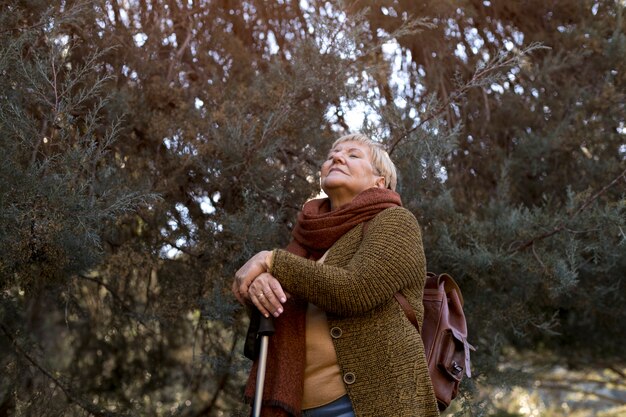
322	378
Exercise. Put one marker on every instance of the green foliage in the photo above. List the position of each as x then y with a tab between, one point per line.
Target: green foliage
506	120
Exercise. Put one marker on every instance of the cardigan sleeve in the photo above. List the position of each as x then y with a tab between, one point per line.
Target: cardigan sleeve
390	257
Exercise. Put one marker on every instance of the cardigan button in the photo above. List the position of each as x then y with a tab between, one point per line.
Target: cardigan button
349	378
336	332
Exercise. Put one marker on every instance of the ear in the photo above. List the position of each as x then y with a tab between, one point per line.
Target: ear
380	182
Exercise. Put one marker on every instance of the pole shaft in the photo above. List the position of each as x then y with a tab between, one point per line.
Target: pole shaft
260	376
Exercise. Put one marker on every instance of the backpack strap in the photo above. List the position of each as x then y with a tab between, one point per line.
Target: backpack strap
450	285
408	310
404	303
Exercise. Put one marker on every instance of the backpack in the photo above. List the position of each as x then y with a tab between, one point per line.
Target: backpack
444	334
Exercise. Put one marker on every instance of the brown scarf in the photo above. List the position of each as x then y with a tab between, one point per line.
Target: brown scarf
318	228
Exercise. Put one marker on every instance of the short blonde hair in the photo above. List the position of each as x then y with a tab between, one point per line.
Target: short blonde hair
381	162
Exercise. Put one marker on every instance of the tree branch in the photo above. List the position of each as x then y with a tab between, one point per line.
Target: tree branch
478	78
119	300
222	382
85	405
179	53
561	226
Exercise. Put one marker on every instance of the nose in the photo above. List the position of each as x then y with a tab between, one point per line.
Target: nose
339	157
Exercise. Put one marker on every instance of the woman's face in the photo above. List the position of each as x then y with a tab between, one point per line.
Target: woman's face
347	171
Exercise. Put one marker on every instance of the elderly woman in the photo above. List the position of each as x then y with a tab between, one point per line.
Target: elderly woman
343	345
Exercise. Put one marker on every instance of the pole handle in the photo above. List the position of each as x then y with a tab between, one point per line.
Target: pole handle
266	326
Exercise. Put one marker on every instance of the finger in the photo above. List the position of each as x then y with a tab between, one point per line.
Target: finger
277	289
272	303
257	300
235	290
244	288
264	298
272	292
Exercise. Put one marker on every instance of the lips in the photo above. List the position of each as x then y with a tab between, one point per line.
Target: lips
336	169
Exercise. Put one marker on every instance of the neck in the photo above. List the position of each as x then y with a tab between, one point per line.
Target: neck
337	201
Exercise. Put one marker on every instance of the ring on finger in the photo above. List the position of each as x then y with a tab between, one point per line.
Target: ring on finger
260	294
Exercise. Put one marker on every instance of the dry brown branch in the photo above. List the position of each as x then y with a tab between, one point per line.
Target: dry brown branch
478	79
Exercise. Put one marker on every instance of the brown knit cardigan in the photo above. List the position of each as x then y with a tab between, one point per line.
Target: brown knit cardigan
380	353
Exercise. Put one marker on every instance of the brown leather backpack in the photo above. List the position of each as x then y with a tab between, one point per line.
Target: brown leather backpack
444	333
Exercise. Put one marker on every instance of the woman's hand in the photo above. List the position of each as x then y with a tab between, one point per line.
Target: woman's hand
255	266
267	295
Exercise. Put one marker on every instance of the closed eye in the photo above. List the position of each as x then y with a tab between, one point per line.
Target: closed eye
351	154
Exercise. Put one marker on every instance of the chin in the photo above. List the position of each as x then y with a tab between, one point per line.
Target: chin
331	185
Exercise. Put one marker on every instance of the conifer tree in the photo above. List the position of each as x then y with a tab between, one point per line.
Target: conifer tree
529	215
149	148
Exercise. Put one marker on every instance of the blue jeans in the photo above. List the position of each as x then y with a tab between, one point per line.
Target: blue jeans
341	407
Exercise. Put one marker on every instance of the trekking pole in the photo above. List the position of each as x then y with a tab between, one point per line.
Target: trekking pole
266	329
